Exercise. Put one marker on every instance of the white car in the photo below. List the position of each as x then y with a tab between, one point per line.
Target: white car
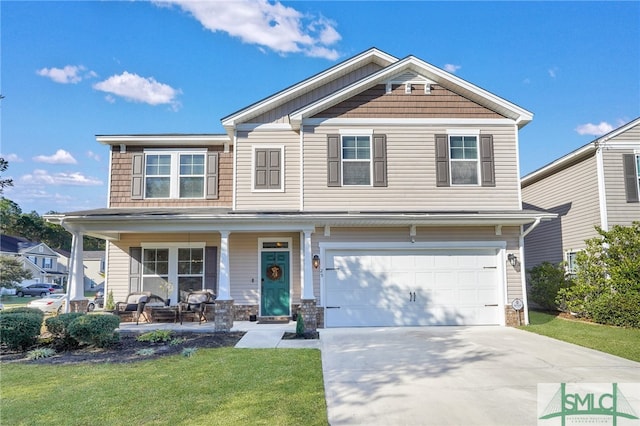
51	303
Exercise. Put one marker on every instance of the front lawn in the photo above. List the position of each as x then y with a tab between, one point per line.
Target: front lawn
623	342
224	386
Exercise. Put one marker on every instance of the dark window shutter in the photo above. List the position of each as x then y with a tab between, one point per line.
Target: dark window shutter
212	175
135	269
334	161
211	268
137	177
267	169
630	177
379	160
487	164
442	160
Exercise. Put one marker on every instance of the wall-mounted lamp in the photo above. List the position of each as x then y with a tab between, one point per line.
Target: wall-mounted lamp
316	261
513	260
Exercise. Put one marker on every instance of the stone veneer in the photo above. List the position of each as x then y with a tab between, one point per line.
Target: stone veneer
511	316
79	305
309	315
224	315
244	312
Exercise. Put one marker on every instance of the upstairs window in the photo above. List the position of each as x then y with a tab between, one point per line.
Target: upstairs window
356	160
47	263
175	175
464	160
631	171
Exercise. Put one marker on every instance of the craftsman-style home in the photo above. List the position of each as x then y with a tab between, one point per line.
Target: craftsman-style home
380	192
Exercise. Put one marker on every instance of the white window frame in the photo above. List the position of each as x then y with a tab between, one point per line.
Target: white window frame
172	275
638	169
349	160
174	176
254	148
46	260
570	260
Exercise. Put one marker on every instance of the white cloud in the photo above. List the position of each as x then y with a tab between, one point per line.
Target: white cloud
134	88
12	158
594	129
553	72
69	74
60	157
452	68
93	155
277	27
43	177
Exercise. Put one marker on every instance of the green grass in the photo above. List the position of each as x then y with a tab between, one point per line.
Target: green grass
15	301
224	386
623	342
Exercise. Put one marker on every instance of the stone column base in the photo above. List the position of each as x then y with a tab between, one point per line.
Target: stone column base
223	315
513	318
78	305
308	312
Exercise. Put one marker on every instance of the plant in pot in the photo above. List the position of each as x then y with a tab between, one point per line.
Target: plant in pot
167	288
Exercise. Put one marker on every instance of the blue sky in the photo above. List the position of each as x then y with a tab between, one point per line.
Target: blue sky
72	70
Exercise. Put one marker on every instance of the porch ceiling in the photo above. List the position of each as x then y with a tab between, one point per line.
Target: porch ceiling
110	223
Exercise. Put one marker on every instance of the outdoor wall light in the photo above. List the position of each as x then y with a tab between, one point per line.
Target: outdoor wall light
316	261
513	260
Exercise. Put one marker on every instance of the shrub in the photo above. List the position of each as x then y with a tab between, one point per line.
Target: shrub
145	352
618	309
96	330
188	352
41	353
19	330
545	281
155	336
59	327
25	310
109	304
300	325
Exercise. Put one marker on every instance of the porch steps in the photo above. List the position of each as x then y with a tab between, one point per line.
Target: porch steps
274	320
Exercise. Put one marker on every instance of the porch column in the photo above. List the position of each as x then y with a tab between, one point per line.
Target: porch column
75	284
307	271
224	312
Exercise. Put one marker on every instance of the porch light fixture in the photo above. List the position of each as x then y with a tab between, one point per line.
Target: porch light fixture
513	260
316	261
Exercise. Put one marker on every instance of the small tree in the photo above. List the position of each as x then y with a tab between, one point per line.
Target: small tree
545	280
110	304
12	273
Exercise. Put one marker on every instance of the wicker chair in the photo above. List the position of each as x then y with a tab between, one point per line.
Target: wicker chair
134	305
195	304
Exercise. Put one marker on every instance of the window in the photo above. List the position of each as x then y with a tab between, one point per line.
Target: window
163	267
47	263
164	174
464	158
356	160
631	171
267	168
571	262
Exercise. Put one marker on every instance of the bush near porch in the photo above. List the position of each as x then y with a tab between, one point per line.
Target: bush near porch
223	386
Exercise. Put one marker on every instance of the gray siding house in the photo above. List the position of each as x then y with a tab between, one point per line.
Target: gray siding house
595	185
379	192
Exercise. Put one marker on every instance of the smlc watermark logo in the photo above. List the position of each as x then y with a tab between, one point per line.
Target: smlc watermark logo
589	404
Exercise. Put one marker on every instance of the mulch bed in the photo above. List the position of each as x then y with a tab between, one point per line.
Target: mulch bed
126	350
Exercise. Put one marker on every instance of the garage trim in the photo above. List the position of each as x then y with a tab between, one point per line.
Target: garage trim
498	246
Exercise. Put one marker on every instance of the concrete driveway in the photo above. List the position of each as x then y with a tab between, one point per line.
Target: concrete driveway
452	375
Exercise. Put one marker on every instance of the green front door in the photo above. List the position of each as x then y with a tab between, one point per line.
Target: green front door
275	283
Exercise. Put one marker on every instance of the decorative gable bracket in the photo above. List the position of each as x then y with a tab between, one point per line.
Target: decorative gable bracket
408	80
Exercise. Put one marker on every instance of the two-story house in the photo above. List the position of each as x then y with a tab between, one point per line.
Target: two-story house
38	258
380	192
595	185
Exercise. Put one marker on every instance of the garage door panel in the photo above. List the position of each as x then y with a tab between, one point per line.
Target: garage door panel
411	287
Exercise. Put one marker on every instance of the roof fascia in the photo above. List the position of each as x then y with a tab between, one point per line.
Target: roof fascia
378	56
617	132
159	140
519	115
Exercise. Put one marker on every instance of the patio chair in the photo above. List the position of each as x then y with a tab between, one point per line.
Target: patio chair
195	304
134	305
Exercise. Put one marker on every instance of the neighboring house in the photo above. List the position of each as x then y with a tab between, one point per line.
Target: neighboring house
380	192
93	268
595	185
38	258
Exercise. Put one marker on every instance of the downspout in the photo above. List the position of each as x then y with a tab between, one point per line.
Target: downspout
67	298
301	168
602	196
523	275
235	169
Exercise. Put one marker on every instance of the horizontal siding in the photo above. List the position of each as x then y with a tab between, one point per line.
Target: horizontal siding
424	234
411	175
281	113
246	198
619	212
121	177
376	103
573	194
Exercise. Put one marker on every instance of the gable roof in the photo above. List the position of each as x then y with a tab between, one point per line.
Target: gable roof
372	55
391	67
574	156
11	244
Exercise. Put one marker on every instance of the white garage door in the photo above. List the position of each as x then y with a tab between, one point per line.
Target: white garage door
411	287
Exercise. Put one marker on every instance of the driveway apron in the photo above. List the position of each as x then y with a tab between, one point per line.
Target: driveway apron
452	375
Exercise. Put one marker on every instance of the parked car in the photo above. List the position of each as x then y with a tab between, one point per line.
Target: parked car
58	288
97	302
52	303
37	289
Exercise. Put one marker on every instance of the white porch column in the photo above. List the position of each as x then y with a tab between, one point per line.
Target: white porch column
307	271
75	284
224	292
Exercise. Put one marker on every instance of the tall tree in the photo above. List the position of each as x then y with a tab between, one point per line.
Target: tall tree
4	165
12	273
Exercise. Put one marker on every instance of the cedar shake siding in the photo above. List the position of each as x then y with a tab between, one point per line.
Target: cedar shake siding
376	103
122	181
